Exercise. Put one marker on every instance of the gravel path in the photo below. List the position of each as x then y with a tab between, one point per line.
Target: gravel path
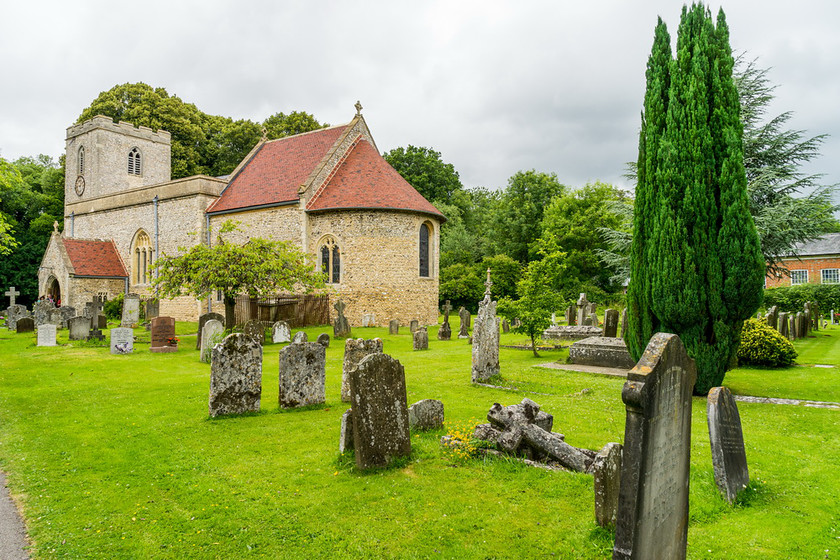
12	532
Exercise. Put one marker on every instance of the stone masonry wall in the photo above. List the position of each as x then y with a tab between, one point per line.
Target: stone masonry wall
812	264
280	223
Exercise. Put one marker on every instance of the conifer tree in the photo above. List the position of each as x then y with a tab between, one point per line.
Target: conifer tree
696	263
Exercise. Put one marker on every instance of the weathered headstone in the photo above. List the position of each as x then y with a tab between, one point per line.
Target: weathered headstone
421	339
464	331
623	322
772	317
202	320
95	310
345	442
341	327
606	473
425	415
122	340
380	415
593	319
505	326
792	333
445	330
55	317
801	325
153	309
79	328
255	330
300	337
212	330
11	293
727	441
163	335
67	313
302	375
281	332
236	376
652	519
784	325
25	325
570	315
101	321
130	310
611	323
582	309
46	334
41	311
485	351
13	313
413	326
324	340
394	326
354	351
369	320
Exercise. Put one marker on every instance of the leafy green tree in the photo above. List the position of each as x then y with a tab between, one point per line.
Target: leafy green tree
696	263
461	284
7	239
280	125
505	273
228	142
424	170
258	267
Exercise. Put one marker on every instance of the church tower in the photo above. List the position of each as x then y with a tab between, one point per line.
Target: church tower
105	158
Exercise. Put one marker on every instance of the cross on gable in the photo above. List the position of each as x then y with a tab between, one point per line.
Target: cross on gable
12	294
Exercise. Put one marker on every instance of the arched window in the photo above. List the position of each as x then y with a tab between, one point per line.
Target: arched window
330	257
134	162
82	160
424	250
142	257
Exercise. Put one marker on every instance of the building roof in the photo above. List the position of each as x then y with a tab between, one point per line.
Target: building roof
93	257
276	170
365	180
828	244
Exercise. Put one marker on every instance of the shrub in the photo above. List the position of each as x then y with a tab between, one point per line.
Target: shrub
113	308
792	298
762	345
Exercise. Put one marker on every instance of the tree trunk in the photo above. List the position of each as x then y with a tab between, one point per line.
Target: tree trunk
534	346
230	306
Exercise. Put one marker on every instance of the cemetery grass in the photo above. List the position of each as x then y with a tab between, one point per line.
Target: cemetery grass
115	457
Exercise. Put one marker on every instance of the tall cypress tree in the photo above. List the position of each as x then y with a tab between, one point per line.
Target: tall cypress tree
697	268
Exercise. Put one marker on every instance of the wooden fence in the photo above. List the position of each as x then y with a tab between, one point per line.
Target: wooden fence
297	310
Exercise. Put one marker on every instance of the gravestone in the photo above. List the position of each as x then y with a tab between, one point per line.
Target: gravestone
101	321
587	321
202	320
56	317
88	311
727	441
793	334
413	326
485	350
12	293
445	330
582	309
46	335
67	313
623	322
421	339
784	325
345	442
341	327
394	326
380	415
131	310
213	328
570	315
611	323
464	331
369	320
593	319
602	352
801	325
163	335
79	328
324	340
25	325
652	520
302	375
505	326
95	309
772	317
425	415
255	330
41	311
354	351
300	337
13	314
553	319
122	340
606	474
281	332
153	309
236	376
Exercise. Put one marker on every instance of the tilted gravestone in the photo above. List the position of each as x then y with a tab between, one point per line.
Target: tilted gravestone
421	339
485	350
130	310
236	376
341	327
79	328
323	339
445	330
380	415
354	351
611	323
202	320
606	475
212	331
413	326
425	415
46	335
727	441
163	335
25	325
281	332
394	326
255	330
464	330
345	442
652	519
41	311
300	337
122	340
302	375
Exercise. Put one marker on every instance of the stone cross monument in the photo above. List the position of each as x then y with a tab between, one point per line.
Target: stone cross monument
12	294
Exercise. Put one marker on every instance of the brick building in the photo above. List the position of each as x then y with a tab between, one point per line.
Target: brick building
818	263
329	192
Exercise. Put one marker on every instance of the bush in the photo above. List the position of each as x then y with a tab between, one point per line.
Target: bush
792	298
762	345
113	308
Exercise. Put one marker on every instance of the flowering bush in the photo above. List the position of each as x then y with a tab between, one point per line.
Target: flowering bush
762	345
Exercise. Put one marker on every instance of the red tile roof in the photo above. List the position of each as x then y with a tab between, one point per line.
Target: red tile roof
91	257
277	170
365	180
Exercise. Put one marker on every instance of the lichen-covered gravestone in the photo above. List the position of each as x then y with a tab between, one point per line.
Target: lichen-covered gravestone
394	327
652	519
341	327
421	339
202	320
46	335
212	330
41	311
163	335
464	316
485	351
323	339
281	332
302	375
354	351
236	376
606	479
79	328
425	415
130	310
122	340
380	415
727	441
345	442
582	309
255	330
13	313
445	330
413	326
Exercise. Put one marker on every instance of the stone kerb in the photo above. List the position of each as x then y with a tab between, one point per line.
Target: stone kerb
380	414
236	376
211	331
302	375
354	351
46	335
652	520
727	441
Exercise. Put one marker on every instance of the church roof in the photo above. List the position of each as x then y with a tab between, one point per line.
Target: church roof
276	170
365	180
828	244
93	257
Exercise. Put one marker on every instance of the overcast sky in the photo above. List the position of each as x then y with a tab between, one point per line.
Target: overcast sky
496	87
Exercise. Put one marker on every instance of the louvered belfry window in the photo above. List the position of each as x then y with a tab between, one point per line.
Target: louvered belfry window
134	162
424	251
82	160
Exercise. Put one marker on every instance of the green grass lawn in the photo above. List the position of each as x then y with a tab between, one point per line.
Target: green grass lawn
115	457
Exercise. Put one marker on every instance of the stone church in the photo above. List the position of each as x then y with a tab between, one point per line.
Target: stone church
329	192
